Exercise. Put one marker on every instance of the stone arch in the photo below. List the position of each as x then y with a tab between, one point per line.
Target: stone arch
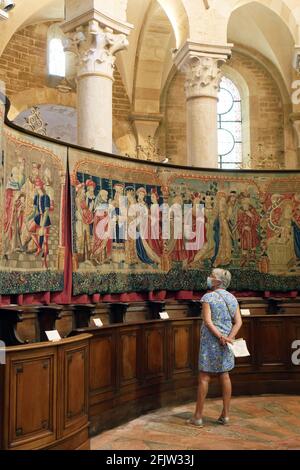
270	31
152	51
35	96
25	9
177	14
280	8
124	141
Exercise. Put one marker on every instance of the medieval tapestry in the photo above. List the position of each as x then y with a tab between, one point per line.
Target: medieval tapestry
247	222
32	206
2	112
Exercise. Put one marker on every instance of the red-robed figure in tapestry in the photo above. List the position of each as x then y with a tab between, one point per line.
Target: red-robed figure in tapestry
84	218
103	235
247	224
155	224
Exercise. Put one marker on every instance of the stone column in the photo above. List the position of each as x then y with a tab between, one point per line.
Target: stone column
295	119
203	75
95	45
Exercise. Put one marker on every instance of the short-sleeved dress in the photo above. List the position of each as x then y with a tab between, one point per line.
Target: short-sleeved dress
213	357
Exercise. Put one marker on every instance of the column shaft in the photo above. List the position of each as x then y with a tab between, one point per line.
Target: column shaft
202	134
95	112
95	46
201	64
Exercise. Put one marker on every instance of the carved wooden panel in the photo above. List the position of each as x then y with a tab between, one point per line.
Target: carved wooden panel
74	386
128	356
44	396
294	335
155	352
75	373
182	348
65	324
28	328
31	405
271	342
102	363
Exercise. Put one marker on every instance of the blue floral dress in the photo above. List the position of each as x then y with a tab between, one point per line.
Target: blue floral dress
213	357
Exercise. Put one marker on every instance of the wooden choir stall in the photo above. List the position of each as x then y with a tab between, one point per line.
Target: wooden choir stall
58	273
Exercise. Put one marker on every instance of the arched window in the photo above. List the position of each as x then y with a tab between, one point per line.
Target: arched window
229	126
57	58
56	53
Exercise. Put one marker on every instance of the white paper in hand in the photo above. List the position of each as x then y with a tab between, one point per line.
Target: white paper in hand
239	348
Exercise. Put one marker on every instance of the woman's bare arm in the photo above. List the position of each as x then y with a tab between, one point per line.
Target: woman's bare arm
237	324
206	316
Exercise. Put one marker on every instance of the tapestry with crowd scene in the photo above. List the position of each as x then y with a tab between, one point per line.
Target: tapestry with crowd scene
32	201
246	222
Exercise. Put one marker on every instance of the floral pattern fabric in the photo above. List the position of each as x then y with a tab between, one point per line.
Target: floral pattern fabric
214	357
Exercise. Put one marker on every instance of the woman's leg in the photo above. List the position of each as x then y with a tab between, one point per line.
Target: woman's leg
203	382
226	392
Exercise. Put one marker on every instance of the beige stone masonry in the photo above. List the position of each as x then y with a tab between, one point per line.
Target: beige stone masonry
201	63
95	40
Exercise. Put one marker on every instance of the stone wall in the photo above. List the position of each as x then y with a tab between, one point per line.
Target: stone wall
23	67
123	133
23	64
265	111
265	106
175	121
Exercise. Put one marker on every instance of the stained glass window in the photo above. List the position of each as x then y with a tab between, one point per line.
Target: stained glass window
229	126
57	59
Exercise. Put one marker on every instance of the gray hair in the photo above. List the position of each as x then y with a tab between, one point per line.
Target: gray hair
223	276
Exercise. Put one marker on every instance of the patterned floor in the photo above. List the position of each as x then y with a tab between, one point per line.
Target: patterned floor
266	422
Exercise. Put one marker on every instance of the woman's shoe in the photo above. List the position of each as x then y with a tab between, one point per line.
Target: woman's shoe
195	422
223	420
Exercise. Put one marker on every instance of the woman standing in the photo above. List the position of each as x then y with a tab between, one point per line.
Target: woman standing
221	323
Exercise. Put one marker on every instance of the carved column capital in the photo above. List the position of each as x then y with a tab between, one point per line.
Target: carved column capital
201	63
95	47
203	76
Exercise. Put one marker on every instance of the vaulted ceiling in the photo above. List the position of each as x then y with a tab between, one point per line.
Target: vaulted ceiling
271	27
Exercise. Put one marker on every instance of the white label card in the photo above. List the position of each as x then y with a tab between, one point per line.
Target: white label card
164	315
245	312
97	322
53	336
